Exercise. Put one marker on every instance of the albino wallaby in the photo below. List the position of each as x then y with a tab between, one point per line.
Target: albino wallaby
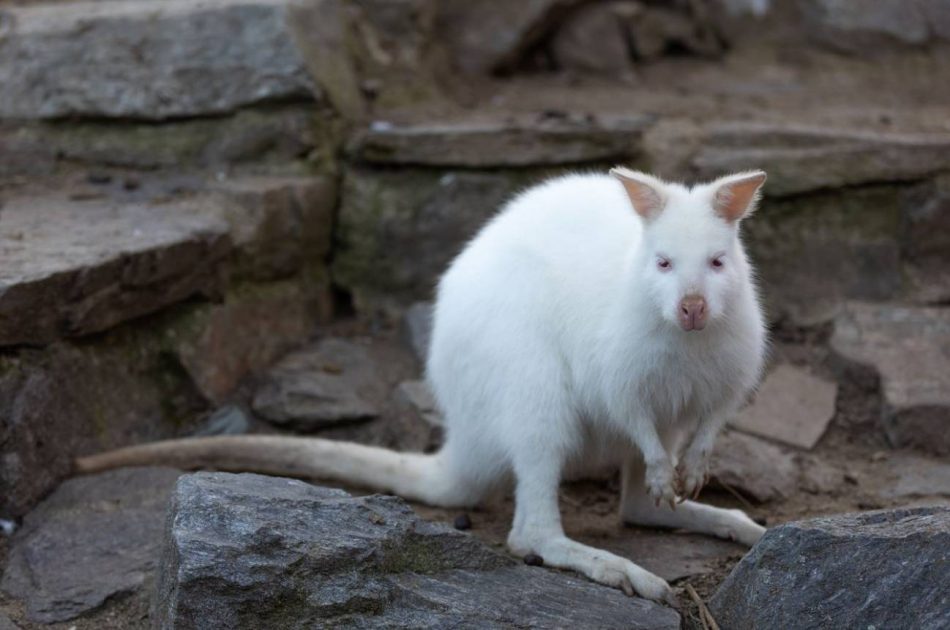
592	321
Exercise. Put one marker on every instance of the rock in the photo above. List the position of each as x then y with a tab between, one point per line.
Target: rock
914	476
325	559
813	230
509	143
791	406
278	224
220	344
79	267
327	384
396	55
494	35
819	476
323	35
593	39
656	29
94	538
227	420
790	153
7	624
417	325
926	240
428	212
416	396
149	60
753	467
147	380
910	349
887	569
276	134
849	28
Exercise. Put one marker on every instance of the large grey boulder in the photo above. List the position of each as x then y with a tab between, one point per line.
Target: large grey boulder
887	569
247	551
910	348
866	27
150	60
94	538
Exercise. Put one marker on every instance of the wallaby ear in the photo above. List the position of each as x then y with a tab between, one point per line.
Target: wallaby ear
736	195
646	192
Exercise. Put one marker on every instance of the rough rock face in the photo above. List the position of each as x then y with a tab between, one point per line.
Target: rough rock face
858	28
910	349
148	60
253	551
887	569
848	158
94	538
83	266
752	466
510	143
331	383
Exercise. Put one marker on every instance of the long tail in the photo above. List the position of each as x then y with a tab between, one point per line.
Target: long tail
414	476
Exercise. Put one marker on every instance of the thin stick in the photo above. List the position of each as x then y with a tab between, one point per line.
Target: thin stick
704	614
699	604
744	501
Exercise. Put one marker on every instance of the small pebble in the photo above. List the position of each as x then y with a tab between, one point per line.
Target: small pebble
7	527
131	183
462	522
534	560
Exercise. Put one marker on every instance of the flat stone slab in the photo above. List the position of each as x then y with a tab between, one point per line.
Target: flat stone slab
790	154
332	382
94	538
908	475
509	143
910	348
792	407
753	467
886	569
417	397
80	261
73	267
151	60
254	551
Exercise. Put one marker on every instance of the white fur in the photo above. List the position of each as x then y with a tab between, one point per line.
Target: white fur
556	349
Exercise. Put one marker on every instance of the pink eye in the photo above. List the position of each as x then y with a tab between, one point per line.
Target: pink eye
664	264
716	263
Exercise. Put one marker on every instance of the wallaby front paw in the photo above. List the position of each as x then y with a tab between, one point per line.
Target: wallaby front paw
661	483
691	475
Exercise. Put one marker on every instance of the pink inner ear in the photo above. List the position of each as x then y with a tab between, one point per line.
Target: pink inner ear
734	199
646	201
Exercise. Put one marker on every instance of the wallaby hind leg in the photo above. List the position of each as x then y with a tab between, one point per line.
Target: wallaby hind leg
637	508
537	529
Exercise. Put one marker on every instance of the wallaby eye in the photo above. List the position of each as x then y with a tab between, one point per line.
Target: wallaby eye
664	264
716	262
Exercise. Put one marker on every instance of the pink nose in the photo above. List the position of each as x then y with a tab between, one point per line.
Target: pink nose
692	313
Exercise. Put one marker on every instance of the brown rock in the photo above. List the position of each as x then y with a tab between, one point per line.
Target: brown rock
910	349
593	39
753	467
328	384
492	35
791	406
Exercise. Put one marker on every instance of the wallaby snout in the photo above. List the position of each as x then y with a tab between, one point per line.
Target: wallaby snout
692	313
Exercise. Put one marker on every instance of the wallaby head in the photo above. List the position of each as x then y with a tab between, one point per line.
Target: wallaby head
690	255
